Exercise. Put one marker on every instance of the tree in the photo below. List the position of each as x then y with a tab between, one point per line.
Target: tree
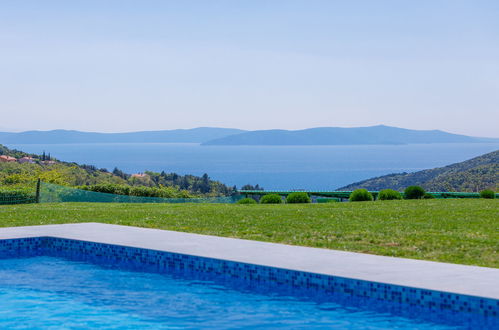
120	173
204	186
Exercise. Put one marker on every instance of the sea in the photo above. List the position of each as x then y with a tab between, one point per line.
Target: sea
272	167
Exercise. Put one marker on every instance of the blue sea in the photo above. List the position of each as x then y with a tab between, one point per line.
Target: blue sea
273	167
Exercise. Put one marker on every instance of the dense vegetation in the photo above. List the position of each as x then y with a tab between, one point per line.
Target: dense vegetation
13	152
123	189
472	175
15	176
196	185
414	192
458	231
251	187
489	194
360	195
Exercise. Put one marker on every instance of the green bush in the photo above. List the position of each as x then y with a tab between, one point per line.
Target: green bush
360	195
490	194
271	199
298	197
389	194
414	192
428	196
246	201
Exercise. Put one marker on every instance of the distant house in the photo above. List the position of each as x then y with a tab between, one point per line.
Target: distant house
29	160
48	162
7	159
140	175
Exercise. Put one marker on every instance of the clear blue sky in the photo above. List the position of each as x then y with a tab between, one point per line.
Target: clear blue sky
143	65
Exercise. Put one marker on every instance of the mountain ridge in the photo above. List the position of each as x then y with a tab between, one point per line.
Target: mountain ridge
207	136
193	135
379	134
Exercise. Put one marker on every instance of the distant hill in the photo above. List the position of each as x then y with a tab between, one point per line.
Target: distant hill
230	136
472	175
195	135
344	136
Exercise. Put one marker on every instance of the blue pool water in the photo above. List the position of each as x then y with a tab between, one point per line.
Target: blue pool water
52	292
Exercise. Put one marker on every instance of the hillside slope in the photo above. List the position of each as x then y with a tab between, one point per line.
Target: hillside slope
344	136
476	174
14	175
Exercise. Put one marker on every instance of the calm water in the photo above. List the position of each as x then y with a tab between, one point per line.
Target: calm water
46	292
273	167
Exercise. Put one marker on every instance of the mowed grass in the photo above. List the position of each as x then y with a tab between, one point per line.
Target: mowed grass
456	231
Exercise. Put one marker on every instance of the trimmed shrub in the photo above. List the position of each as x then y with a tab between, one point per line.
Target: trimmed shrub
360	195
271	199
490	194
298	197
246	201
389	194
414	192
428	196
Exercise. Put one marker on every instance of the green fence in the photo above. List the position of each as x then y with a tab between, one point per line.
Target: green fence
51	193
343	195
16	197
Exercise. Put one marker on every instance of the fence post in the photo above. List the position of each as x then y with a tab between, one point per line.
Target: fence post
38	190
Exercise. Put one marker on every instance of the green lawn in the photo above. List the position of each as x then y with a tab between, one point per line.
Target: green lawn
457	231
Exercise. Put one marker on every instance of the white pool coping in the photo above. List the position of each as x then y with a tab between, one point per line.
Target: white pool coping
460	279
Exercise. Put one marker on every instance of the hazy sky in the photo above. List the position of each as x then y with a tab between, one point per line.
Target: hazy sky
143	65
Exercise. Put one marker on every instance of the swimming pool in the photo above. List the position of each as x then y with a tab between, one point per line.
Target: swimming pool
54	292
46	281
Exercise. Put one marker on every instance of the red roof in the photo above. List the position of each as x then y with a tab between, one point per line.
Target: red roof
8	158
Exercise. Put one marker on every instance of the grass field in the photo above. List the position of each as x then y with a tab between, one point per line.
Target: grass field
457	231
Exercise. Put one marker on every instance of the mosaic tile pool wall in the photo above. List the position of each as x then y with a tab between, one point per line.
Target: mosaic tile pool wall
460	306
